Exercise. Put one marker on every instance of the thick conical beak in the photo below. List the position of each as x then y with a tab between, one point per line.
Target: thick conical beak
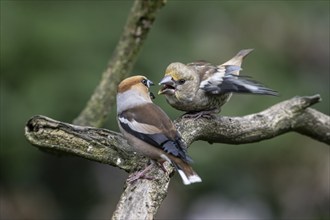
168	85
150	83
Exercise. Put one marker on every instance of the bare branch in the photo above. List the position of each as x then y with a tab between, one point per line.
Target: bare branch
138	24
290	115
314	124
109	147
141	199
95	144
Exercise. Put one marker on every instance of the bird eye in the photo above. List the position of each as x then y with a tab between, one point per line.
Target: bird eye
147	82
144	82
181	81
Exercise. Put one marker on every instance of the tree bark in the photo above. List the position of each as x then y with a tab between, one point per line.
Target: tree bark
142	198
138	24
290	115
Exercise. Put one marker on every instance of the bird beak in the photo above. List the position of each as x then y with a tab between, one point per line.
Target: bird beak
168	86
150	83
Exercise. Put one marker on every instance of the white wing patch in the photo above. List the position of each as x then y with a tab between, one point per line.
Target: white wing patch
215	79
139	127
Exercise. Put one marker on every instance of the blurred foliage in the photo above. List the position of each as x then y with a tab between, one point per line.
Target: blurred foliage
52	57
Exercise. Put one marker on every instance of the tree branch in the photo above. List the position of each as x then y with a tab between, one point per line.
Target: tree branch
290	115
141	199
95	144
138	24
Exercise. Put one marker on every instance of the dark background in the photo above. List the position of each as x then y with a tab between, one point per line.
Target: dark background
52	57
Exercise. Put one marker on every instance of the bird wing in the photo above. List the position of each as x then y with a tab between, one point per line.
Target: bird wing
224	81
150	124
213	76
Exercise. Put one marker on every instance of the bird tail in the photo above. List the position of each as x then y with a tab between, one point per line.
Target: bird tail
187	174
238	59
244	84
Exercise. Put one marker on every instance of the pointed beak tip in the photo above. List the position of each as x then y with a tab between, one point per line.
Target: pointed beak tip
167	79
161	82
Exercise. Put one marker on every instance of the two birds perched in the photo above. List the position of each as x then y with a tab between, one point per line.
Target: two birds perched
198	88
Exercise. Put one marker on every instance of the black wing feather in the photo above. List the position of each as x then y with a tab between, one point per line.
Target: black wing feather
159	140
238	84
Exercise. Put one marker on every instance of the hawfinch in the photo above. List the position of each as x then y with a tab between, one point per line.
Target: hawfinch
149	130
200	88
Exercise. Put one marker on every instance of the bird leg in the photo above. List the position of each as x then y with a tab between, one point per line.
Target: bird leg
140	174
208	114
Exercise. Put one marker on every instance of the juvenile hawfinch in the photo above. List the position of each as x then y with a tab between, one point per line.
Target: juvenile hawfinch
200	88
149	130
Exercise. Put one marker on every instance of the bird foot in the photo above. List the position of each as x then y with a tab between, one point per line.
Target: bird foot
209	114
140	174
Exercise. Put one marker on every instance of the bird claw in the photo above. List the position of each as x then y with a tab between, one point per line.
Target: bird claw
137	176
140	175
143	173
210	114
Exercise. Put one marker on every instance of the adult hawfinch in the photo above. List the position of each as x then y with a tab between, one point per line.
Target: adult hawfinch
149	130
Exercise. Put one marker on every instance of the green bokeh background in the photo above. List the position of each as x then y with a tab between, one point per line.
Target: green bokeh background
52	57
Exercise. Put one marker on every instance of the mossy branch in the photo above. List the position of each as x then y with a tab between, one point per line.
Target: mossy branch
141	199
